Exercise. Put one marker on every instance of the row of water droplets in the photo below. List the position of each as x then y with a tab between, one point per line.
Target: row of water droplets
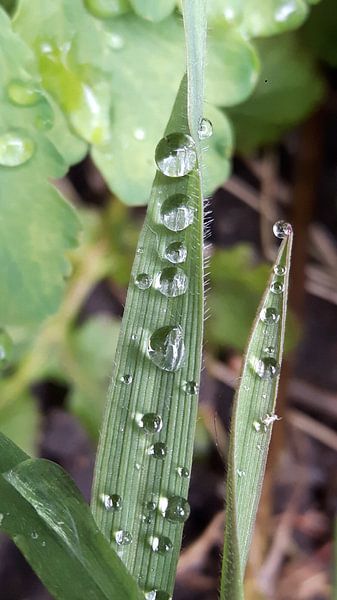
175	157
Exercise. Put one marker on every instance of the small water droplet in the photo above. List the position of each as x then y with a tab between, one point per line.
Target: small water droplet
269	419
138	467
151	505
113	502
157	595
171	282
257	425
23	93
140	250
269	315
123	537
277	287
178	509
240	473
191	387
151	423
205	129
161	544
44	122
176	252
143	281
266	368
158	450
127	379
34	535
104	9
147	519
280	270
175	155
15	149
6	348
282	229
43	544
166	348
134	337
269	350
183	472
139	134
176	215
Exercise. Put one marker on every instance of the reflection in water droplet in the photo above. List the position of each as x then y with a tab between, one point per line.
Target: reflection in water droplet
6	348
158	450
113	502
143	281
161	544
266	368
282	229
191	387
176	214
105	9
269	315
151	423
171	282
127	379
280	270
256	425
183	472
166	348
15	149
175	155
205	129
176	252
23	93
178	509
123	537
277	287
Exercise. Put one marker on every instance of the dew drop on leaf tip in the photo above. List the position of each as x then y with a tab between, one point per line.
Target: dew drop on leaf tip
176	155
282	229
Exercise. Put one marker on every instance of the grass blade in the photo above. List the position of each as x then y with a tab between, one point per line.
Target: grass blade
253	417
149	472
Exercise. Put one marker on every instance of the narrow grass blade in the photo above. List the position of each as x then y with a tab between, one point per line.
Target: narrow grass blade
146	444
47	518
252	421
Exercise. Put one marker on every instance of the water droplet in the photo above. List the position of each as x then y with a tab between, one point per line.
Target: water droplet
139	134
138	467
183	472
176	252
280	270
256	425
6	347
151	505
175	155
147	519
143	281
178	509
34	535
140	250
44	122
158	450
205	129
240	473
104	9
113	502
151	423
282	229
134	337
176	214
161	544
23	93
269	419
266	368
277	287
269	350
269	315
171	282
166	348
43	544
115	41
191	387
157	595
127	379
15	149
123	537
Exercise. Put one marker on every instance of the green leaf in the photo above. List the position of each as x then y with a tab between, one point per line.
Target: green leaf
148	379
37	225
252	420
289	88
20	422
45	515
275	16
320	32
153	10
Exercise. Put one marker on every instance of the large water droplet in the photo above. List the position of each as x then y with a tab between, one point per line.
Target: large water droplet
113	502
176	214
282	229
176	252
191	387
6	348
166	347
23	93
178	509
161	544
15	149
280	270
171	282
143	281
266	368
151	423
105	9
127	379
277	287
175	155
269	315
123	537
205	129
158	450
